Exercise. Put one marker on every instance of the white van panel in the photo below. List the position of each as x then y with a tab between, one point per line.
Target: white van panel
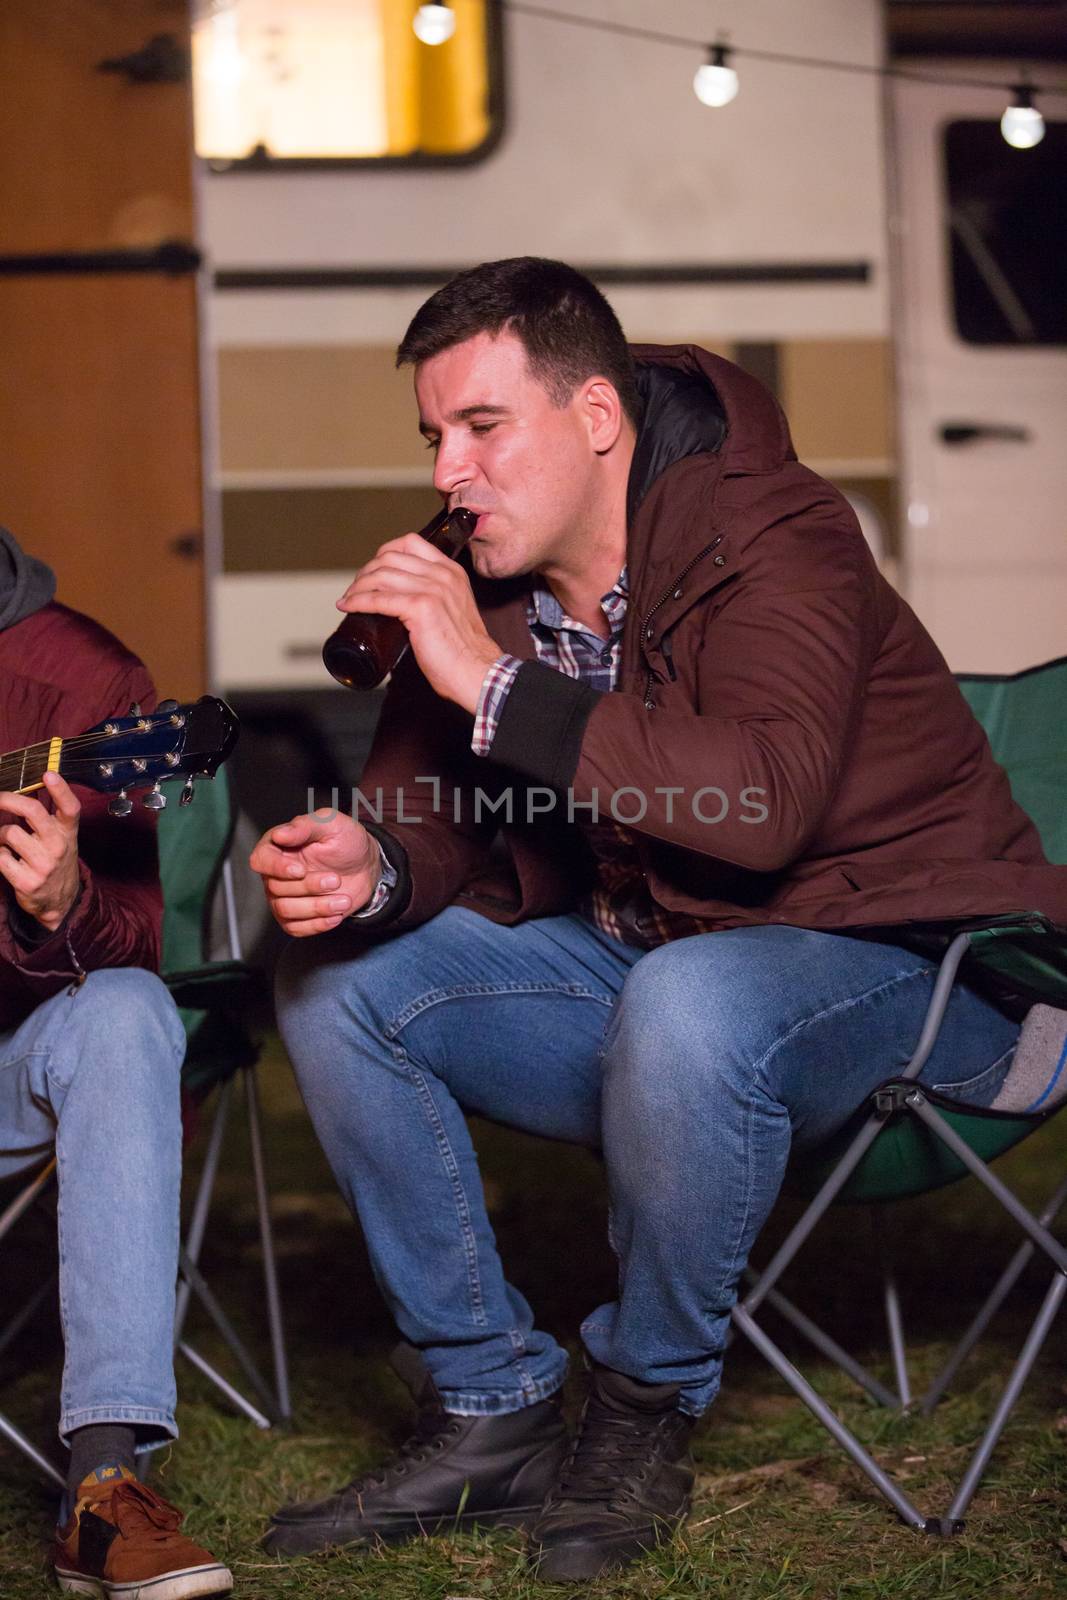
985	538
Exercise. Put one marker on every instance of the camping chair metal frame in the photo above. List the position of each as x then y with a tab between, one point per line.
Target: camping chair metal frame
26	1197
904	1097
275	1401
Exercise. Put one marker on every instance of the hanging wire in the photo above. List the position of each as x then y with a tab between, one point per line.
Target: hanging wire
629	30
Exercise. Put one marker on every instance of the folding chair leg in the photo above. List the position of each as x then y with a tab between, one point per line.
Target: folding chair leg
832	1423
19	1321
917	1103
266	1234
198	1222
893	1318
16	1209
827	1346
24	1200
191	1279
225	1327
233	1395
815	1212
1005	1284
20	1441
1029	1354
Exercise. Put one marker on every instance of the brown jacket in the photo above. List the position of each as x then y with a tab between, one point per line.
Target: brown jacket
765	657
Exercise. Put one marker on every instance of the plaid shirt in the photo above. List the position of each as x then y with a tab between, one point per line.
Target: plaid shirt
620	904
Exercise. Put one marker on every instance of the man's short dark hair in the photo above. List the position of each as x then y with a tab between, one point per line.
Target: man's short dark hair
567	328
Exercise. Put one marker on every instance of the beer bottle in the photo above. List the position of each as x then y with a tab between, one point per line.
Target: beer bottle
366	646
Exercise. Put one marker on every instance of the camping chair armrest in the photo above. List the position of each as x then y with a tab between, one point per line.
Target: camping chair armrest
935	1011
218	983
1015	960
1020	962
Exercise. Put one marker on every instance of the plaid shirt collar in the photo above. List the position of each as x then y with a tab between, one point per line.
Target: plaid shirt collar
544	610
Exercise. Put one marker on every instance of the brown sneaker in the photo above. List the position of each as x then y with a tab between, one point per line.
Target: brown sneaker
122	1543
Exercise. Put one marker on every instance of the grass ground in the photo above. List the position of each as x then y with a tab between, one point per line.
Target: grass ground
779	1512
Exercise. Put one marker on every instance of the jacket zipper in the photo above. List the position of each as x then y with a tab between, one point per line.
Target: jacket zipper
664	597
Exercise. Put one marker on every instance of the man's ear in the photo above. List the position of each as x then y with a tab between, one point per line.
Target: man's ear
603	413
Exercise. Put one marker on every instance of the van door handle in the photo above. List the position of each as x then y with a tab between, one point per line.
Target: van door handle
956	433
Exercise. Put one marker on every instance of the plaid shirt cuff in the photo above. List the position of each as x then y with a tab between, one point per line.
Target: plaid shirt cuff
495	686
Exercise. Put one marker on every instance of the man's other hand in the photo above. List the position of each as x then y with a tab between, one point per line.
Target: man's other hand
431	594
317	870
39	853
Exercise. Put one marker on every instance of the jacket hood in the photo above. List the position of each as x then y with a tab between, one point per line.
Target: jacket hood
697	403
26	584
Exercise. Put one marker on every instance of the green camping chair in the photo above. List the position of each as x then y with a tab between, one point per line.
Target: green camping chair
907	1140
213	997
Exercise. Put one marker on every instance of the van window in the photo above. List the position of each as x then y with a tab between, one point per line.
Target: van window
1007	230
335	82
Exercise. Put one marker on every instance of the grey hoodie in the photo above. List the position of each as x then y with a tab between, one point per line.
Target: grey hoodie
26	584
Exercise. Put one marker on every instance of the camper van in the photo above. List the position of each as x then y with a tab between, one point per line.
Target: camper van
869	246
864	241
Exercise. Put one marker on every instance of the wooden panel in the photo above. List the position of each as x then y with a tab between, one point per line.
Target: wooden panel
99	417
86	158
99	383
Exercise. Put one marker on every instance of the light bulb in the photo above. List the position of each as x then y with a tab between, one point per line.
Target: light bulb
715	83
434	24
1022	124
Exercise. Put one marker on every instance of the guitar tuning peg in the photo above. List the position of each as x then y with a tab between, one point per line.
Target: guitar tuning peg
167	705
120	805
186	796
155	799
135	709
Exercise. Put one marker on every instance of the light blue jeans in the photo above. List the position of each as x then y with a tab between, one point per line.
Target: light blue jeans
694	1067
95	1073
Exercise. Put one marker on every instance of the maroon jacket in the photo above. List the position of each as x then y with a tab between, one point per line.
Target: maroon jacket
764	655
61	673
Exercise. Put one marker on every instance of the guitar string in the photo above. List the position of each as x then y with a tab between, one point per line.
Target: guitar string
19	758
85	738
79	764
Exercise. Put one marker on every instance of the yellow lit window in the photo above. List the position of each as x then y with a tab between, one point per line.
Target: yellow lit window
342	80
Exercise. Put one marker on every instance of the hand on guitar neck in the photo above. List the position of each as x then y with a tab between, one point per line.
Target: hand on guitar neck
39	851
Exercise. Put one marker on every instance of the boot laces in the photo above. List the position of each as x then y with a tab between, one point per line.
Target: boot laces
610	1452
431	1428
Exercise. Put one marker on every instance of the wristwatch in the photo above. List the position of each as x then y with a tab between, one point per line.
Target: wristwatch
387	880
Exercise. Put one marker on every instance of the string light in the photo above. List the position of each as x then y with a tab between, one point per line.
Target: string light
626	30
716	83
1022	124
434	24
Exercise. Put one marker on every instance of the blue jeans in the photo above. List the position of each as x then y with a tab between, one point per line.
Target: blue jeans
693	1067
94	1072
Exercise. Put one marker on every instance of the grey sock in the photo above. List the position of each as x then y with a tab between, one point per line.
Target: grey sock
103	1444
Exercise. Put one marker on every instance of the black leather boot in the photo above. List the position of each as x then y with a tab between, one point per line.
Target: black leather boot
625	1485
454	1472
